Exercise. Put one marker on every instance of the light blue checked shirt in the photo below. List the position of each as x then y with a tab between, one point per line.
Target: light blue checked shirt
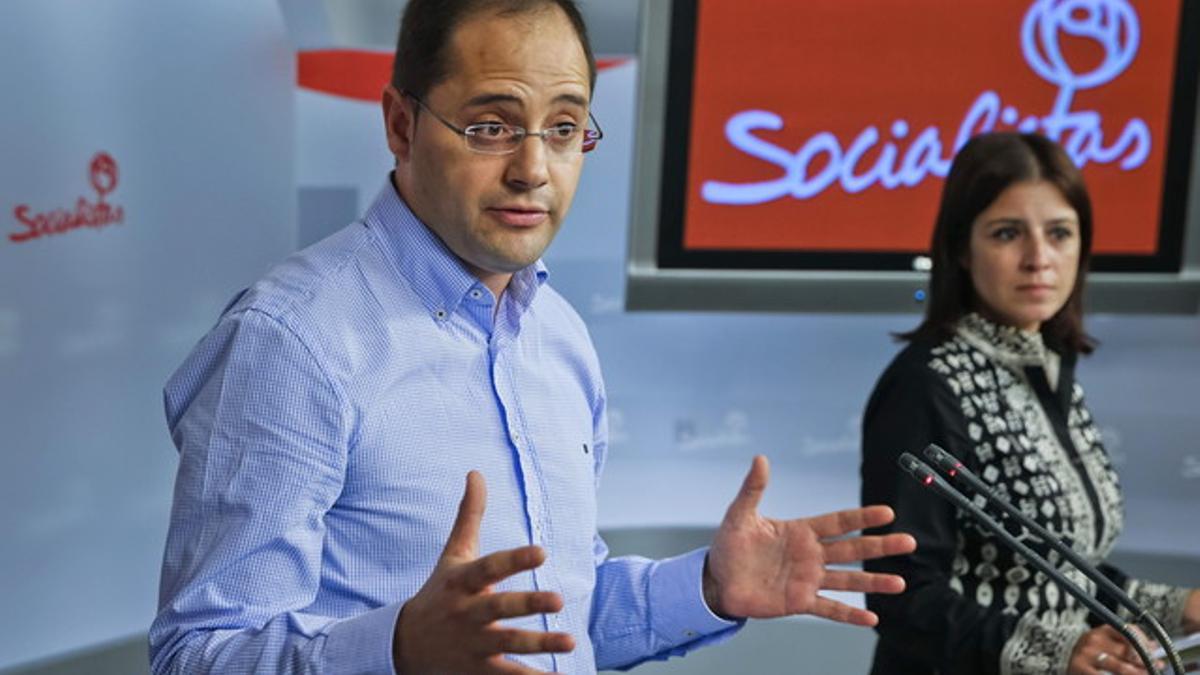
325	428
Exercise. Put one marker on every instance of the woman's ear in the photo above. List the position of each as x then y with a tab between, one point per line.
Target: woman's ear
964	257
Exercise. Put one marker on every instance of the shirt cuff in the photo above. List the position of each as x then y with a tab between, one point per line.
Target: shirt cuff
1162	601
362	645
677	598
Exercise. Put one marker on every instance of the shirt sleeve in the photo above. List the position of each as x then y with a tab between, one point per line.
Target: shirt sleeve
1164	602
263	435
651	609
645	609
931	626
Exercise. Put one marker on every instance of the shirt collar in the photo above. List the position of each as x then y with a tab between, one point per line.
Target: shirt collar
436	274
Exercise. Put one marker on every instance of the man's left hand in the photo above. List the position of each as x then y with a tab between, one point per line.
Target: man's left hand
761	567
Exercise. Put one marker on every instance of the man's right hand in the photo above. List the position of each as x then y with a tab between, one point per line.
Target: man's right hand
451	624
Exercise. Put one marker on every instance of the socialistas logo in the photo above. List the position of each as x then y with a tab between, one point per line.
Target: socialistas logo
908	157
103	175
828	125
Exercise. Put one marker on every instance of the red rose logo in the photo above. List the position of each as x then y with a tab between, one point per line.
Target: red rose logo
102	174
103	171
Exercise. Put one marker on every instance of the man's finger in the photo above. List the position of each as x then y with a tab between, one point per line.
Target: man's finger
496	606
842	613
477	575
839	523
868	548
862	582
513	641
498	665
745	504
464	536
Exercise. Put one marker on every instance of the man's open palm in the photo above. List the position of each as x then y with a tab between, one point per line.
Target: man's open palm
454	623
762	567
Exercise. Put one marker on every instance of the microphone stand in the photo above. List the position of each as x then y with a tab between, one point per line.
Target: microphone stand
955	469
927	477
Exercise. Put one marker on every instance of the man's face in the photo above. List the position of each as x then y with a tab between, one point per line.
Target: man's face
498	213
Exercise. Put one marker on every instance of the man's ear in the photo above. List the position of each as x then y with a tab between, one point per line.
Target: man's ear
398	121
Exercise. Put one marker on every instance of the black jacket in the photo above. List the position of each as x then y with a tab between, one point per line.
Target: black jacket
1009	408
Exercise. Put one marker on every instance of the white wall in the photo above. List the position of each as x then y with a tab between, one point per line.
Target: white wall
194	102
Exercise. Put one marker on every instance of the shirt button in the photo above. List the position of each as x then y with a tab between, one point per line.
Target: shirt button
476	293
516	437
689	633
440	315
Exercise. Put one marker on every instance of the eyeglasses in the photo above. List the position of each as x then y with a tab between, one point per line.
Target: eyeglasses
497	138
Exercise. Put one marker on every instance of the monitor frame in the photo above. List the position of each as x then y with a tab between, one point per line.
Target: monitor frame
660	276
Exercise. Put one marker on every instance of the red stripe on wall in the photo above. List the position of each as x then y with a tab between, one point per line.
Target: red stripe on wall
361	74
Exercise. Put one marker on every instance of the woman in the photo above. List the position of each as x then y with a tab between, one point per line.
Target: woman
989	376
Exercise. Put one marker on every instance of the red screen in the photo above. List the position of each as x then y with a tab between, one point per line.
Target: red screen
829	125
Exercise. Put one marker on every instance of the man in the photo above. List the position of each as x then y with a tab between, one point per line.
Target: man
328	421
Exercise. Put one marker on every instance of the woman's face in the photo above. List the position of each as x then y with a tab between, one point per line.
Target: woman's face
1024	255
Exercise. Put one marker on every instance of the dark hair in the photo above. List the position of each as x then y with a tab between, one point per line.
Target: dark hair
986	166
428	25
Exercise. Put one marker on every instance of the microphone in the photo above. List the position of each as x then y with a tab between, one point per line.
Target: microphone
927	477
952	467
